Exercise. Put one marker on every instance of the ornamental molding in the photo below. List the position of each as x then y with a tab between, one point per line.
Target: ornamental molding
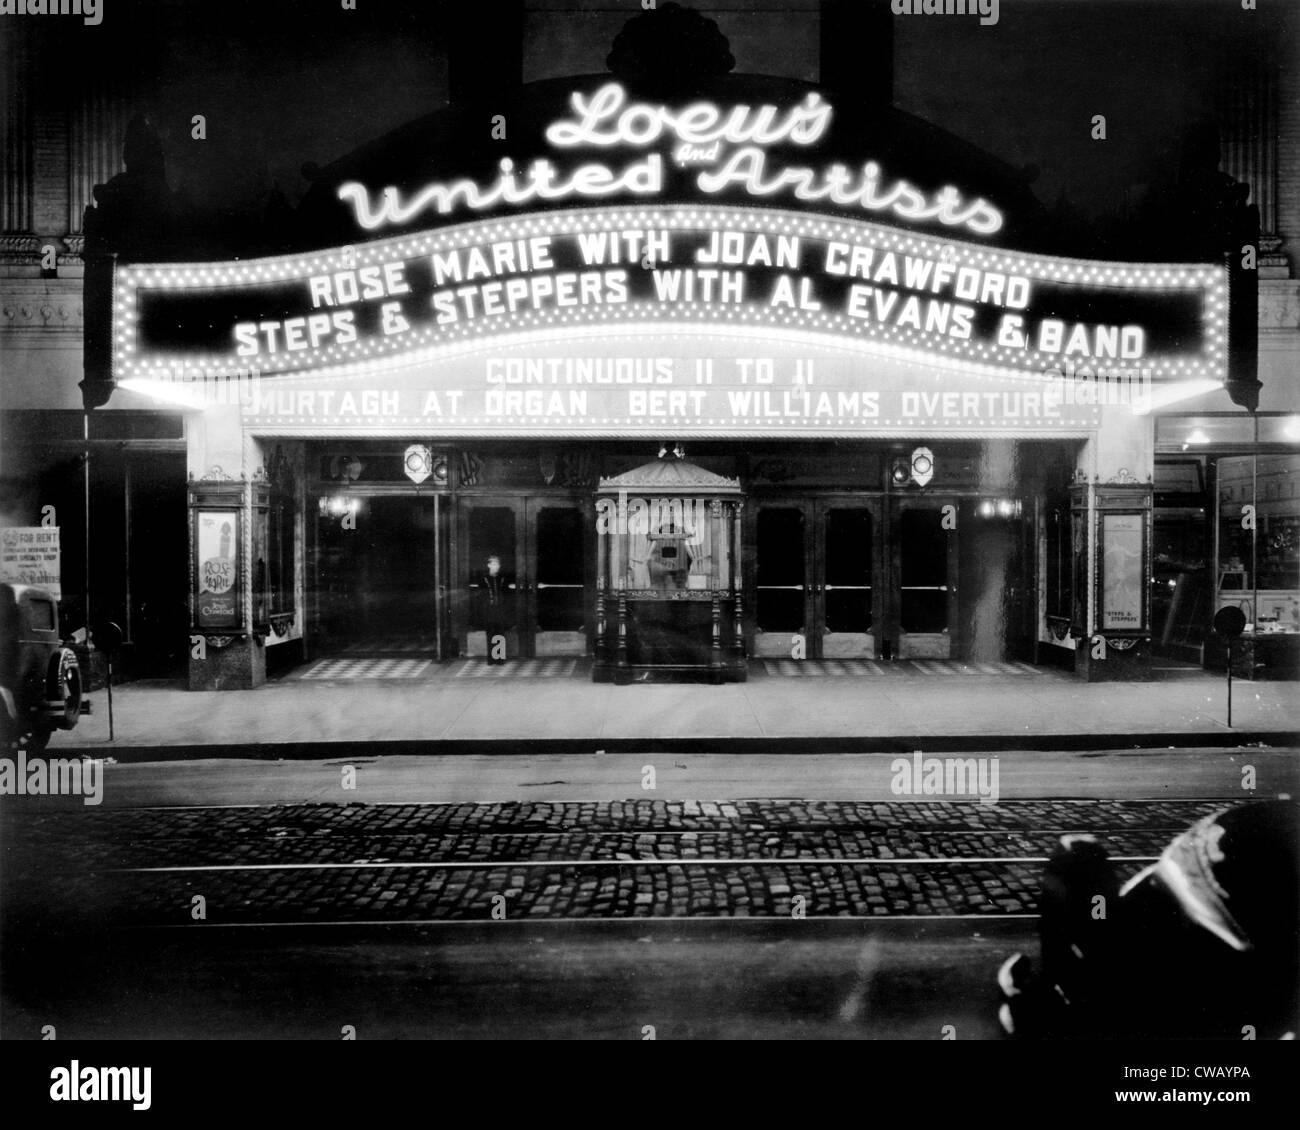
24	249
1279	305
40	304
670	594
676	476
15	244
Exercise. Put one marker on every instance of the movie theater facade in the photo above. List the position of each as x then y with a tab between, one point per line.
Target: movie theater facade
711	379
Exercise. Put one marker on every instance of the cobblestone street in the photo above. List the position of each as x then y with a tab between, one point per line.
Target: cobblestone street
530	861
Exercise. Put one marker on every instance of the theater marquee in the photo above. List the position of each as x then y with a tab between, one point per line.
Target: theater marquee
696	314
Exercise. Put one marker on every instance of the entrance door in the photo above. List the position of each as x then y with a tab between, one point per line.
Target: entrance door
542	544
815	594
376	577
845	606
924	568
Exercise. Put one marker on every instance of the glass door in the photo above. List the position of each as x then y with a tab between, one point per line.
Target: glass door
492	527
555	586
814	592
845	605
924	562
782	600
542	546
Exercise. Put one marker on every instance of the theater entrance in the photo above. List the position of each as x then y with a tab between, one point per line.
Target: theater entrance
377	585
855	577
814	576
545	549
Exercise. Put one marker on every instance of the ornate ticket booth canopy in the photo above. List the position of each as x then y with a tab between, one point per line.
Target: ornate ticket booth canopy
668	573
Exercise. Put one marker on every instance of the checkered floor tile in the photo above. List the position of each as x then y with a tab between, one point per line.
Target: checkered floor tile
517	669
814	668
953	667
811	668
391	645
371	667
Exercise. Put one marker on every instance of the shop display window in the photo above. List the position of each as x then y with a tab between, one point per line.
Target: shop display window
1258	541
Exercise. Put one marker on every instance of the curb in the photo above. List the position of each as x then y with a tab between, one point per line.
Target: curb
499	747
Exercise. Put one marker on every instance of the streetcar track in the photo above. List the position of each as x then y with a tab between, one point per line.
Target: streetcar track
707	861
586	920
1004	803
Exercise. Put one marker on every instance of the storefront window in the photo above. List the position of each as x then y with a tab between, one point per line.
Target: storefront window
1259	541
1182	578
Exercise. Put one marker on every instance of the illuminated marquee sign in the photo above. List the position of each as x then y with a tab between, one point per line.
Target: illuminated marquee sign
732	145
583	276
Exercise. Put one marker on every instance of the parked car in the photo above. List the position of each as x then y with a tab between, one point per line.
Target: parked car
40	679
1201	944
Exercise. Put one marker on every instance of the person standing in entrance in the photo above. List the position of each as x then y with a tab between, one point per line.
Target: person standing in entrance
495	593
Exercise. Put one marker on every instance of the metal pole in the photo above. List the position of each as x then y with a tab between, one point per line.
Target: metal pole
85	562
437	575
1254	527
108	688
1229	684
126	540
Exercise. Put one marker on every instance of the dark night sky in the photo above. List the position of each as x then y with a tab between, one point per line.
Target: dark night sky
282	83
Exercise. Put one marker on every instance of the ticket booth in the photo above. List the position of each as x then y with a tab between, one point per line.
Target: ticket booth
668	574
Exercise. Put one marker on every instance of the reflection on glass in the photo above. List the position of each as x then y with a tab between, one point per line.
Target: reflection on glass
491	531
1259	540
848	570
559	569
923	560
780	580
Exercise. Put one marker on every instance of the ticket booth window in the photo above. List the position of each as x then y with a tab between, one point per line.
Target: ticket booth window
668	574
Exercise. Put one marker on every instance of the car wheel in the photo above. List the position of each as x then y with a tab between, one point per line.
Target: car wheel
63	688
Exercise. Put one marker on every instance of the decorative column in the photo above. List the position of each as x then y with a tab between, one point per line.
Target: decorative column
1246	99
602	551
737	586
717	535
18	241
623	675
97	129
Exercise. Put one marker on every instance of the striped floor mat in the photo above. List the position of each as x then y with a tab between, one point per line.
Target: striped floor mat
391	645
814	668
368	667
560	668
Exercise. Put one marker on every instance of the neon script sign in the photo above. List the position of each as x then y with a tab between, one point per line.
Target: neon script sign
731	144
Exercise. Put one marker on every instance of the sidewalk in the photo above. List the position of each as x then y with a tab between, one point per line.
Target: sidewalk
1043	710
